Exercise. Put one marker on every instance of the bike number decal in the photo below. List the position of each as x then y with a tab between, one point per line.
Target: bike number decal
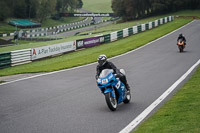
104	81
117	85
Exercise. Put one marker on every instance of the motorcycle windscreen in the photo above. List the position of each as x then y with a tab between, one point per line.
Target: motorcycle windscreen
105	73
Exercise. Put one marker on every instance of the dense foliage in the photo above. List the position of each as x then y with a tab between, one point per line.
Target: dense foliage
37	9
133	9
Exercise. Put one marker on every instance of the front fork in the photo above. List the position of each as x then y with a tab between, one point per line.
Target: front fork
107	90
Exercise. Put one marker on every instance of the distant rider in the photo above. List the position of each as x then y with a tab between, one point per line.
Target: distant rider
181	36
104	64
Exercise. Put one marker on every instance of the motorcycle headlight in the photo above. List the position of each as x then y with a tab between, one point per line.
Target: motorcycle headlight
99	80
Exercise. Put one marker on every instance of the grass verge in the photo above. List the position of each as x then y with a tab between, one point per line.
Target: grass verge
96	6
180	114
89	55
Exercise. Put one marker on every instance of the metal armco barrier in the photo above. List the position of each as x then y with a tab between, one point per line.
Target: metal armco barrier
5	60
20	57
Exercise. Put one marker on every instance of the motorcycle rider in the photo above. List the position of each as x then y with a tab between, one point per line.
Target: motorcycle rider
181	36
104	64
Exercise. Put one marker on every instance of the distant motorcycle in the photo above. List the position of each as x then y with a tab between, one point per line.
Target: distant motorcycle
181	45
114	90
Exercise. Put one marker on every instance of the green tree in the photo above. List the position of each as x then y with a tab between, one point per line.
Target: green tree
5	12
45	9
39	9
31	8
80	4
118	9
68	5
134	9
20	9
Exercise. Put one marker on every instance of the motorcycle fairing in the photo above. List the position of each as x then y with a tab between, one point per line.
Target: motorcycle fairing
107	90
121	91
108	80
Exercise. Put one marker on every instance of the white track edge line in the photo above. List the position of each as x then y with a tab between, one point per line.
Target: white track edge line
94	62
148	110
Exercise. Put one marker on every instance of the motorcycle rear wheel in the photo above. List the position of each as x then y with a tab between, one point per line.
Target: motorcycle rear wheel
180	48
111	101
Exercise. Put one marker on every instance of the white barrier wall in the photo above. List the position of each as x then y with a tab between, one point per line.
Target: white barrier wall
125	32
135	30
150	25
113	36
161	21
170	18
143	27
165	19
19	57
156	23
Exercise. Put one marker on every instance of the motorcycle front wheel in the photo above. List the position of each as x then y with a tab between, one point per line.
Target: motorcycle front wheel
111	101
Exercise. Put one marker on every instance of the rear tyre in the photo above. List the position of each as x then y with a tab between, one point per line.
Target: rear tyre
180	48
111	101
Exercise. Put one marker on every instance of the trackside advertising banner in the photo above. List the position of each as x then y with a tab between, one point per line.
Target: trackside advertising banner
42	52
86	14
89	42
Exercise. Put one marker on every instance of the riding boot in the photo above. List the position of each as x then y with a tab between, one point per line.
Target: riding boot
123	79
127	86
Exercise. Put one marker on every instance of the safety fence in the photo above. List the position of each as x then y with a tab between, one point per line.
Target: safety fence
38	32
57	29
19	57
43	31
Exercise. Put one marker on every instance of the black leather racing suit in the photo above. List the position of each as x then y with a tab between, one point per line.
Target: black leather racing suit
183	38
110	65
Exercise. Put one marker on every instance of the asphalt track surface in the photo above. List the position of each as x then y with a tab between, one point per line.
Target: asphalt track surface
70	102
88	28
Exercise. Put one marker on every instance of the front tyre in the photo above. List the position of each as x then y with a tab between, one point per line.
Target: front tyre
111	101
128	97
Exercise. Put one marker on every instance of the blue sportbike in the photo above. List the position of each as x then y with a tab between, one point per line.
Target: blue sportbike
114	90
